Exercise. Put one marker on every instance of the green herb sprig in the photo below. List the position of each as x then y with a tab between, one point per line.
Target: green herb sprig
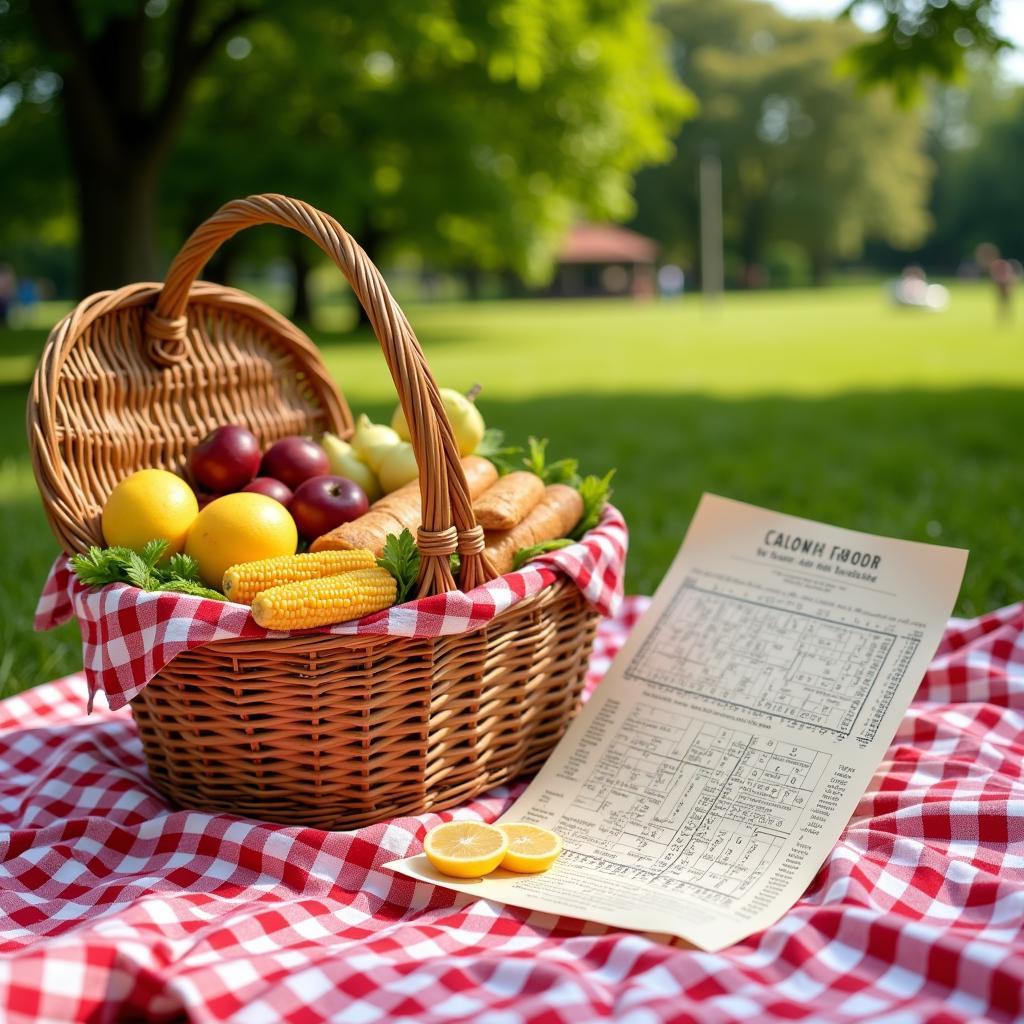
562	471
401	558
492	446
596	492
99	567
524	555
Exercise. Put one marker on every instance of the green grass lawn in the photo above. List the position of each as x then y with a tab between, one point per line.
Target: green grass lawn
830	405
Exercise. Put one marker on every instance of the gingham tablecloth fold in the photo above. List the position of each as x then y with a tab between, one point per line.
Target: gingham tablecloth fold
115	907
128	635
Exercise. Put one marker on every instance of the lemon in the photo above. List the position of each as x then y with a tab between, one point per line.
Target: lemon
149	505
530	848
243	527
465	849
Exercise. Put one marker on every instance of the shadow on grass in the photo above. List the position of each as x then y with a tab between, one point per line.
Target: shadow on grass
938	466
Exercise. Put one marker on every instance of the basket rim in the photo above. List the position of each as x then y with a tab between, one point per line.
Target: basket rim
301	641
59	485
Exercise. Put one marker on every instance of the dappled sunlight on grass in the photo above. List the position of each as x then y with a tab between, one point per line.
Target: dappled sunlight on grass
804	343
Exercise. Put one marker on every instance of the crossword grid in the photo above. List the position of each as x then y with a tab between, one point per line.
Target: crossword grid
787	664
698	806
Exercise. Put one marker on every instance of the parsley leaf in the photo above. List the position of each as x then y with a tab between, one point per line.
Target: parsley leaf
595	492
562	471
99	567
183	586
401	558
184	567
492	446
523	555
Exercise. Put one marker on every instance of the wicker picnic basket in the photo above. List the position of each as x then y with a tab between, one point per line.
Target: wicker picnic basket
331	732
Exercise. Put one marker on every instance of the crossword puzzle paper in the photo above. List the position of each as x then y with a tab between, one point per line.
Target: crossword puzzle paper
705	783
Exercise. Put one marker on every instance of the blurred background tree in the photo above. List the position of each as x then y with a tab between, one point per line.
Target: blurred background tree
472	140
473	132
812	167
978	139
469	136
119	76
922	40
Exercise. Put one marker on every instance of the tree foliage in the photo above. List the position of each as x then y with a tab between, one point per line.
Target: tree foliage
472	132
978	138
808	162
120	75
922	39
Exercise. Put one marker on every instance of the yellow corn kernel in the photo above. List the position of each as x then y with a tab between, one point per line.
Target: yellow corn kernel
244	581
322	602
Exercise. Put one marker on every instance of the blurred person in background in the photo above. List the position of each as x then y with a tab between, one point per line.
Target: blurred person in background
671	280
8	288
1004	277
1002	272
26	294
913	290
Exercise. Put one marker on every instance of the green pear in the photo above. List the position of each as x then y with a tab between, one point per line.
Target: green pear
464	416
399	425
344	462
398	467
372	440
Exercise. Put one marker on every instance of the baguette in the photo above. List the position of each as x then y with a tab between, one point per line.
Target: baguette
507	503
397	511
552	517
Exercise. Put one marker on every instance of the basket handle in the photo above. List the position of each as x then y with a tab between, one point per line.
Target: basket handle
448	524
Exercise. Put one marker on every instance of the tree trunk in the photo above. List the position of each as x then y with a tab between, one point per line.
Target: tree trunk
821	265
369	239
512	286
119	142
752	244
473	280
117	243
298	255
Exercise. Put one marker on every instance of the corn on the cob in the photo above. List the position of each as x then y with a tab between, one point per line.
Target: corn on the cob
321	602
244	581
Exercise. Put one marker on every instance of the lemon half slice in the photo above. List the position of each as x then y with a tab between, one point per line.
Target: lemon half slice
530	848
465	849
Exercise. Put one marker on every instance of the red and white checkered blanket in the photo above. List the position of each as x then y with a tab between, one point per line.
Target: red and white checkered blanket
114	907
128	634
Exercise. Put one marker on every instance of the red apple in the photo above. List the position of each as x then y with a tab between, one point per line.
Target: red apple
324	502
271	488
226	459
293	460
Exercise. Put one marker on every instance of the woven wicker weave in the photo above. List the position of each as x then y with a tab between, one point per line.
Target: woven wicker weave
332	732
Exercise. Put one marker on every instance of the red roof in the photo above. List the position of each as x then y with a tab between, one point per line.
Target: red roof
606	243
